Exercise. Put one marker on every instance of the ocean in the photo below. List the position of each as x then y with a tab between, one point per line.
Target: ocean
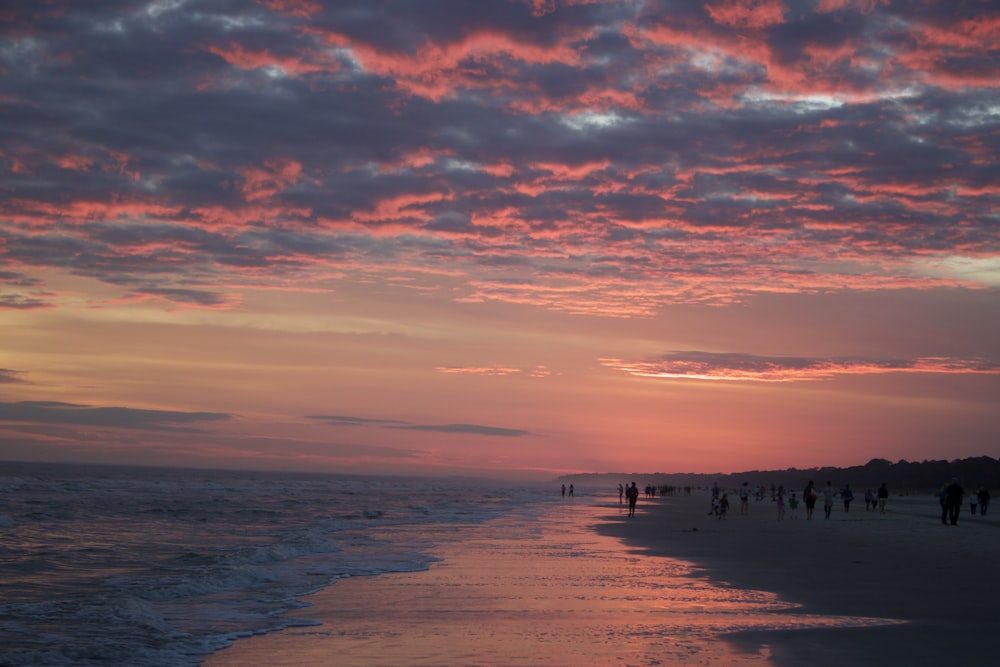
106	565
147	567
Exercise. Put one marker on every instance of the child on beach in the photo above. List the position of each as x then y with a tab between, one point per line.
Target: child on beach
793	505
781	507
723	506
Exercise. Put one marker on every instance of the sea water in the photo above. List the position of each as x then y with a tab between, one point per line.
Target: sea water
164	567
148	566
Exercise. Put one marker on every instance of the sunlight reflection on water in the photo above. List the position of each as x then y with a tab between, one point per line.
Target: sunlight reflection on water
519	591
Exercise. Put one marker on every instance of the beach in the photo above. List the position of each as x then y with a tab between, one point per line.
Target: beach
672	586
942	580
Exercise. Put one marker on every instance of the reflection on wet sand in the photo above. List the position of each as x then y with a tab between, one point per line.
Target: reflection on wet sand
524	592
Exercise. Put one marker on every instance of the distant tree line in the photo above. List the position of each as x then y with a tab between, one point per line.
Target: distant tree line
901	477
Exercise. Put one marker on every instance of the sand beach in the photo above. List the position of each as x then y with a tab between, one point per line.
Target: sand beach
942	580
672	586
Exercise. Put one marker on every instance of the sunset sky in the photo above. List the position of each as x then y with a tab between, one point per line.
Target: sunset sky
499	236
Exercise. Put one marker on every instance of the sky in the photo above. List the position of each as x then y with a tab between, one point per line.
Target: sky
511	237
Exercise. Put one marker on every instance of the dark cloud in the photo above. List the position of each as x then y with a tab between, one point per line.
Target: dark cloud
22	302
472	429
69	413
339	420
8	376
693	364
211	141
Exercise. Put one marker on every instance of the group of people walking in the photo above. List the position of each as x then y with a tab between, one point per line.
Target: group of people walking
811	495
952	495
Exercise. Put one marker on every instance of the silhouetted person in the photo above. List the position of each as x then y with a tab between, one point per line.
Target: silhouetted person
847	496
633	497
809	496
570	490
883	497
952	502
984	500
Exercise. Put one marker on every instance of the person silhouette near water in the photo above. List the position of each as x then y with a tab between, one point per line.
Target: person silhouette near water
633	497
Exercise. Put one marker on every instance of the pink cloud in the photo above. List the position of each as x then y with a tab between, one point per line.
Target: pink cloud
438	70
749	368
478	370
248	59
401	206
863	6
274	176
75	162
300	8
747	13
80	211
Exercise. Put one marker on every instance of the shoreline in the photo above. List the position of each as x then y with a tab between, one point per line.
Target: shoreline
589	585
903	565
520	591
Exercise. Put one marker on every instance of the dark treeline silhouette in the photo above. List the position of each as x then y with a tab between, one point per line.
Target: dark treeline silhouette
901	477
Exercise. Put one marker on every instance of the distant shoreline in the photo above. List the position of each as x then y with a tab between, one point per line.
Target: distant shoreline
901	477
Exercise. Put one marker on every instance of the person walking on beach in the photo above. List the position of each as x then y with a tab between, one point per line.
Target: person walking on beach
973	503
869	499
563	490
809	496
745	499
570	490
828	494
621	493
847	496
883	497
633	497
793	505
723	506
952	502
780	499
984	500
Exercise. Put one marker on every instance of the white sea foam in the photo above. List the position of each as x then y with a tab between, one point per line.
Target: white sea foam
149	567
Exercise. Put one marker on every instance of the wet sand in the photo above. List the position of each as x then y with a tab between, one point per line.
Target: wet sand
904	564
672	586
521	592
